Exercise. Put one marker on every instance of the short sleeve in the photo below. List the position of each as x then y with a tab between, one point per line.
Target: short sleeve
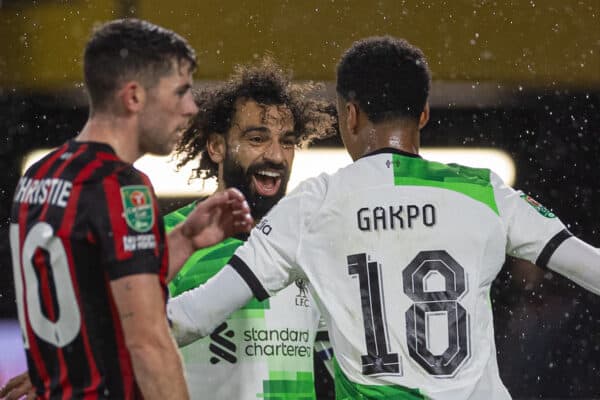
268	260
533	231
126	225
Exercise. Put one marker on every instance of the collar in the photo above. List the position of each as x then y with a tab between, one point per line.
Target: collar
387	150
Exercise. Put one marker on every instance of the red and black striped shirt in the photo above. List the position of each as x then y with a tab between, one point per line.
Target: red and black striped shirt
81	217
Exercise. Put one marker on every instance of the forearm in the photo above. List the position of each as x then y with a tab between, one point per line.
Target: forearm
156	363
579	262
159	371
180	249
197	312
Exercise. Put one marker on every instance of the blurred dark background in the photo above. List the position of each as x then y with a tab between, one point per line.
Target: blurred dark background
521	77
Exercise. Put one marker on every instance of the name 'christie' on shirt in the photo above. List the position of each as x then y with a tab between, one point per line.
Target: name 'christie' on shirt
54	191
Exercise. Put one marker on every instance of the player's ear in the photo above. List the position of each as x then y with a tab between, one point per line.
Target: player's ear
215	145
352	112
132	96
424	118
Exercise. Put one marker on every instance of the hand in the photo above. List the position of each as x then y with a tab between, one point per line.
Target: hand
222	215
17	387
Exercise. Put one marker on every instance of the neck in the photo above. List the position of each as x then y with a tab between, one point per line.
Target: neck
114	131
401	136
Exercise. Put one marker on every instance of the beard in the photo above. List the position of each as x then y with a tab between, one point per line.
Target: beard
235	176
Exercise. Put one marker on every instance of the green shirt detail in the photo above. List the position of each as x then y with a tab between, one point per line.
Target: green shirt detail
472	182
347	390
204	263
178	216
278	388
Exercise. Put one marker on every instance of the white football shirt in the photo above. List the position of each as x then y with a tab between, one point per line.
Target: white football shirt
400	253
264	350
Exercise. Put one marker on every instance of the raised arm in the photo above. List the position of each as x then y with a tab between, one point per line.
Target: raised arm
197	312
535	234
222	215
577	261
156	363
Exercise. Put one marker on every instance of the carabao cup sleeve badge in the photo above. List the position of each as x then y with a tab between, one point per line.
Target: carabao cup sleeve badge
138	207
539	208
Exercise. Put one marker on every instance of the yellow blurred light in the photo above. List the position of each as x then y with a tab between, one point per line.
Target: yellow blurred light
168	182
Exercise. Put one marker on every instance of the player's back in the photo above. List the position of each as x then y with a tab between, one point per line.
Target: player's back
405	250
401	253
69	213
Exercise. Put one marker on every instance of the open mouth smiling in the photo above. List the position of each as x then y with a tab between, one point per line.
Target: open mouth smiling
267	182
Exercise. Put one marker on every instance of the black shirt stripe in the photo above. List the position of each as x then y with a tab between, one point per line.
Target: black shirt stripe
550	248
247	275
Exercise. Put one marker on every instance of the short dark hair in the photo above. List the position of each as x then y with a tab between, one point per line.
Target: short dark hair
267	84
130	48
387	77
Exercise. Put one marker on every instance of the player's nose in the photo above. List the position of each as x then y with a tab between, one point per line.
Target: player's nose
274	152
190	108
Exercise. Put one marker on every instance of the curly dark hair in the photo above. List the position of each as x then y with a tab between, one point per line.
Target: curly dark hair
389	78
130	49
267	84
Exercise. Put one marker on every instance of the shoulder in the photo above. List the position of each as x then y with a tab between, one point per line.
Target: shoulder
175	217
123	177
120	186
309	194
502	191
315	185
475	176
126	174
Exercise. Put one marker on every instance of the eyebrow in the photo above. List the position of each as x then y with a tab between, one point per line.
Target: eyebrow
264	129
288	134
183	88
253	128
